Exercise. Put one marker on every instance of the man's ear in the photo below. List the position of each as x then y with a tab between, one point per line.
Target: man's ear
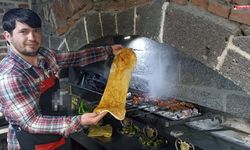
7	36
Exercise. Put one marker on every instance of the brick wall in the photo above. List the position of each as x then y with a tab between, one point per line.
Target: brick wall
235	10
5	5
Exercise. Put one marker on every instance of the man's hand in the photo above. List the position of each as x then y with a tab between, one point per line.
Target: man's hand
91	118
116	48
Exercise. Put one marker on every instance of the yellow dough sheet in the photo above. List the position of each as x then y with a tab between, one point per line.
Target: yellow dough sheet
114	96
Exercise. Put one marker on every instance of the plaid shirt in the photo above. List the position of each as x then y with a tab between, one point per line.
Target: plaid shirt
20	93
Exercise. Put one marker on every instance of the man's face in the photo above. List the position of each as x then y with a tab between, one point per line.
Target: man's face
24	39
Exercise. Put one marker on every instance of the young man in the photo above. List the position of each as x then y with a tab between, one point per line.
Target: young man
28	78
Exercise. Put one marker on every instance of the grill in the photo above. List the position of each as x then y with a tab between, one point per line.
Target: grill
175	121
143	111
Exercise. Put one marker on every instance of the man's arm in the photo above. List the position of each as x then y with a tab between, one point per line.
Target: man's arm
86	56
20	102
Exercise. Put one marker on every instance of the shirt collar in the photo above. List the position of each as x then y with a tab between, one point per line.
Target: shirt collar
19	59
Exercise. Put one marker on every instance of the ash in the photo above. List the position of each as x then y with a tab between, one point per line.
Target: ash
206	124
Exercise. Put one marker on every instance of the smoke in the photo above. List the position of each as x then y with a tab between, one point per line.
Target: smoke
161	76
156	63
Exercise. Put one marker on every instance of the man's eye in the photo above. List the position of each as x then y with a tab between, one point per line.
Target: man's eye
23	31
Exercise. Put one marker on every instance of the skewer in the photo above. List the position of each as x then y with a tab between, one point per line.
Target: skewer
138	108
130	107
148	112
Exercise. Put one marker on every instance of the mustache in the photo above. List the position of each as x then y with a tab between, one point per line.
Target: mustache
31	43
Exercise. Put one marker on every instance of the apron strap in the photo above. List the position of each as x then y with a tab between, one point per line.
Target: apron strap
46	84
51	146
48	87
29	141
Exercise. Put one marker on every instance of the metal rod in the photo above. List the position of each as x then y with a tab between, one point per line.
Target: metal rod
135	49
155	109
130	107
138	108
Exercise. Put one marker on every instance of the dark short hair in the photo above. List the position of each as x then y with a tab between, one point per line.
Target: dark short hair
22	15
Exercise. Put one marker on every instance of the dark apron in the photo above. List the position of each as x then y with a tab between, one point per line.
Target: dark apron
30	141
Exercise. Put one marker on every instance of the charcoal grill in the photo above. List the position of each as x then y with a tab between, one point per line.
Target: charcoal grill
138	113
170	128
175	130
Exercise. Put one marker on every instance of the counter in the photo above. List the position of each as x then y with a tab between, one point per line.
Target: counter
117	141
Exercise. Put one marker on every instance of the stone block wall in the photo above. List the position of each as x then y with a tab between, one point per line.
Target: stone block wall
214	34
206	31
202	29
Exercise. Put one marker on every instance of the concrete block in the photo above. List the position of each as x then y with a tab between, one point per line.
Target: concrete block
194	73
93	26
197	33
243	42
76	37
148	20
237	68
108	24
238	105
125	22
55	42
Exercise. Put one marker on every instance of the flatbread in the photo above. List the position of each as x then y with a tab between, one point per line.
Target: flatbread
96	131
114	96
